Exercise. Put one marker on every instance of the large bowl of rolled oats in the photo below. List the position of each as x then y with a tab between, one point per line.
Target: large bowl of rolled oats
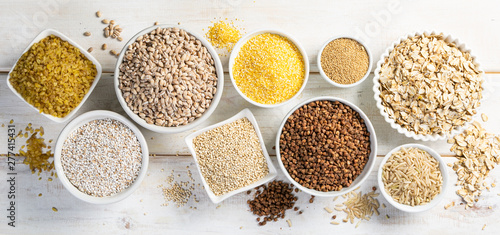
168	79
428	86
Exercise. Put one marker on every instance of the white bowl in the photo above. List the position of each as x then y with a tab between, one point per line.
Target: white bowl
376	90
241	43
366	170
272	171
38	38
420	208
78	122
196	122
338	84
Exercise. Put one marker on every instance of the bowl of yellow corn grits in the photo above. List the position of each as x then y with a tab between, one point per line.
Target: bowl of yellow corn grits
268	68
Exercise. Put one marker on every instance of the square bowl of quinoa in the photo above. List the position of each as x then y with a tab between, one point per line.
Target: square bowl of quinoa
231	156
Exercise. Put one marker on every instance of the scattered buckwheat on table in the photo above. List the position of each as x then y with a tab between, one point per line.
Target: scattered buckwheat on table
102	157
230	156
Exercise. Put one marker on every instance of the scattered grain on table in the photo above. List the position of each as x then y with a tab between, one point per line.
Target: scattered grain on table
271	201
223	35
478	152
37	154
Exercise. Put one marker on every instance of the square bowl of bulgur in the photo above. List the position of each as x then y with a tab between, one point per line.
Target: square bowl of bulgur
54	75
231	156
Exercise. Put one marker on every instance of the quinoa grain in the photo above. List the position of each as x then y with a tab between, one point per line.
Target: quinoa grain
230	156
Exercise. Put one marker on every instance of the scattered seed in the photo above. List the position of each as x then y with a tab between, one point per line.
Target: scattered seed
289	223
383	205
357	224
387	216
105	21
87	34
98	14
113	52
328	210
90	49
104	46
156	23
484	226
119	38
484	117
40	194
112	22
55	209
334	222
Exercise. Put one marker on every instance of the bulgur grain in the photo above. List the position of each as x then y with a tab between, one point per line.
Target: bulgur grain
53	76
269	69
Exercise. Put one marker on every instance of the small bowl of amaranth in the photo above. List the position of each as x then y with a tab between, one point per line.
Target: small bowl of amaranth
344	61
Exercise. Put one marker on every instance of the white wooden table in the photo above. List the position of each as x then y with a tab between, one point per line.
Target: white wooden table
379	23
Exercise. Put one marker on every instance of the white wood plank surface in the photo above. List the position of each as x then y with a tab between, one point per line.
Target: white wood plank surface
379	23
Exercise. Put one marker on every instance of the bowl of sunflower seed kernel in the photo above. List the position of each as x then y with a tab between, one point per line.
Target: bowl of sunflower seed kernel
168	79
428	86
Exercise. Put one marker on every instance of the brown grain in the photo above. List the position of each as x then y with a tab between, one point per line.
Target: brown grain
344	61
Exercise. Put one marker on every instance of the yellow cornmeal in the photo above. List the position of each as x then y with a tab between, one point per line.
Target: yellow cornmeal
53	76
223	35
269	69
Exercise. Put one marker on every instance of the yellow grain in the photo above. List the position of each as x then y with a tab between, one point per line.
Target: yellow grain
53	76
269	69
223	35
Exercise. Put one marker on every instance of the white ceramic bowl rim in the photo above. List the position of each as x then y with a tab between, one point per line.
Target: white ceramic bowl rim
376	90
322	72
160	129
38	38
272	170
366	170
420	208
242	42
78	122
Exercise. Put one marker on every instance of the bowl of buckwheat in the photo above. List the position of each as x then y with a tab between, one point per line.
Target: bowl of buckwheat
168	79
428	86
326	146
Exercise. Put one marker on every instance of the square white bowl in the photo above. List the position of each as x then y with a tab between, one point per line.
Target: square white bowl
272	170
98	67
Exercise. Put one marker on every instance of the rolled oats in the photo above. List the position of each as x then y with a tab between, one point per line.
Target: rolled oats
477	152
429	86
